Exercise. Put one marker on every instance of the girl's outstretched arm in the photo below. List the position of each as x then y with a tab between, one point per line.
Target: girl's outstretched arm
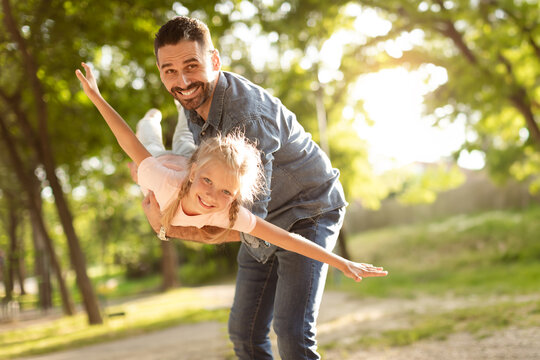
296	243
121	130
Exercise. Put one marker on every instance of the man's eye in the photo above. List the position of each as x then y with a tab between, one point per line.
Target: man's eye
170	71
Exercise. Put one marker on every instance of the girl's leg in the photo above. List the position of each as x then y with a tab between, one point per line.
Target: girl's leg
149	133
183	143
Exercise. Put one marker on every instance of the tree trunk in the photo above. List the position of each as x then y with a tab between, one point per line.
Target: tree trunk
42	271
20	269
342	244
323	136
78	261
41	258
16	248
36	215
169	264
13	252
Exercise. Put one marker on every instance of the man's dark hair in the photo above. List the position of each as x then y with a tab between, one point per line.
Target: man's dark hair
182	28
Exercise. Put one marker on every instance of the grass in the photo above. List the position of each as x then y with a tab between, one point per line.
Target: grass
479	321
490	253
141	315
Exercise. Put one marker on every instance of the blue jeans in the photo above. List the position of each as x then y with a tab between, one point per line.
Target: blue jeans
287	288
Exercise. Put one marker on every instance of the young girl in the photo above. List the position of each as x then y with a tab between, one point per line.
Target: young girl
223	173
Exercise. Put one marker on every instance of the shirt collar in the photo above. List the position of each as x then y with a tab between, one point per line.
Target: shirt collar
215	115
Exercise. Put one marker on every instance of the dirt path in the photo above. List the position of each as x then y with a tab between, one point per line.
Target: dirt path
342	320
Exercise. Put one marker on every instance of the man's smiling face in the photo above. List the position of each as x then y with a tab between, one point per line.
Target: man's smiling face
189	72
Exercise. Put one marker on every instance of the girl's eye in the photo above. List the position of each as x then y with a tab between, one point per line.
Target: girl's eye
207	180
227	192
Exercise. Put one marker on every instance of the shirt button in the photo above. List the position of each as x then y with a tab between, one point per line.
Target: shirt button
203	133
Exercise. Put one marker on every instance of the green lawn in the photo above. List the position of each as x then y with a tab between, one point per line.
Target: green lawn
491	255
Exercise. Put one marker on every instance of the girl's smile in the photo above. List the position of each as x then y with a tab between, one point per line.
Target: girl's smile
203	204
214	187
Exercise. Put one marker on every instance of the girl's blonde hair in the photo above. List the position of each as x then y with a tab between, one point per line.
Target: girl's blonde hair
242	157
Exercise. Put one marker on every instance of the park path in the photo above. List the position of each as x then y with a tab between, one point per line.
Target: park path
341	320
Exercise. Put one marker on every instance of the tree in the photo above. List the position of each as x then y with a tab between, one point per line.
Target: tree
490	51
42	45
42	147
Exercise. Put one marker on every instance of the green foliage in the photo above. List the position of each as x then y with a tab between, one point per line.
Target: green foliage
423	187
490	53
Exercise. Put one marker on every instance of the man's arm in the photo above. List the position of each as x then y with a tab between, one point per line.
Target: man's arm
191	233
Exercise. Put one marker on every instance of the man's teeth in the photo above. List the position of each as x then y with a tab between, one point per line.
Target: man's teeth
188	92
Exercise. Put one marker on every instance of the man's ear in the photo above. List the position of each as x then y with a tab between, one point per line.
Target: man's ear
216	60
157	65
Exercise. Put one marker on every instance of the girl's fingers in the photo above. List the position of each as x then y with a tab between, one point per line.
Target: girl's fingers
79	75
87	70
381	273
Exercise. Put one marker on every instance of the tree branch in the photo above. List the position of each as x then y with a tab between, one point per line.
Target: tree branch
29	66
14	103
525	30
519	98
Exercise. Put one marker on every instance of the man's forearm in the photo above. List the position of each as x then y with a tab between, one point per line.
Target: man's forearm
210	234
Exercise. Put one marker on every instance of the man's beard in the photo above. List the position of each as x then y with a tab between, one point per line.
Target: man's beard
196	102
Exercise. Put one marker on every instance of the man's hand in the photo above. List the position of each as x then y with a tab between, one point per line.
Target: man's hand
152	211
190	233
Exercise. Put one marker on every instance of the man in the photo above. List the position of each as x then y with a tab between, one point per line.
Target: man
304	195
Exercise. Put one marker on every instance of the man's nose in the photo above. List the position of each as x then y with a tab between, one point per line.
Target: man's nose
184	81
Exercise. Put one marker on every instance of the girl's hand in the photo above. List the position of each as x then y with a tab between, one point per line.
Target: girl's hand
358	271
88	83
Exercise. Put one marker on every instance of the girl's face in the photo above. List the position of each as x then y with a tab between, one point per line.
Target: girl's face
214	187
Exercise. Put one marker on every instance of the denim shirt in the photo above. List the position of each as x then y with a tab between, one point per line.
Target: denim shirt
298	173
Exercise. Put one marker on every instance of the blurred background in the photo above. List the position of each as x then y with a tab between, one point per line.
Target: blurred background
430	109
